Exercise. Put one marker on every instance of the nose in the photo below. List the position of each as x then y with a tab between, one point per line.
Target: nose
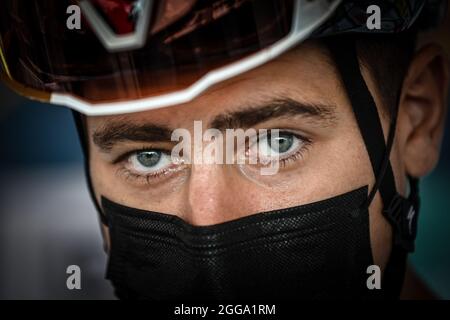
214	196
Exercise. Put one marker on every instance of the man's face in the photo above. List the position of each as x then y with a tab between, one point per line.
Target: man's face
299	93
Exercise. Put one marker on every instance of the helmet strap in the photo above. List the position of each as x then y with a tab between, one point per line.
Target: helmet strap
401	212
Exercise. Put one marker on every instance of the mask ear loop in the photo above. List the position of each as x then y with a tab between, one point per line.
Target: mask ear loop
400	212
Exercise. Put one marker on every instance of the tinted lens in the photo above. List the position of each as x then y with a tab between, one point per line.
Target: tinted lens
43	54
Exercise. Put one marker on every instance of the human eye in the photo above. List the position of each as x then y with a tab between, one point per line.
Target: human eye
282	146
148	161
147	166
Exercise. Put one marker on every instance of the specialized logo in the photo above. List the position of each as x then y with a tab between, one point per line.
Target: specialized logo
410	218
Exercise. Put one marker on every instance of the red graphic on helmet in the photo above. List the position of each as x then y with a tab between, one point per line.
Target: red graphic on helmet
120	14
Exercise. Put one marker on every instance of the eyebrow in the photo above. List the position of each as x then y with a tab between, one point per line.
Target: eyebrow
119	131
275	109
112	133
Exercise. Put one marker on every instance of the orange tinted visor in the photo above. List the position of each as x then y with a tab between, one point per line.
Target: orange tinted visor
41	55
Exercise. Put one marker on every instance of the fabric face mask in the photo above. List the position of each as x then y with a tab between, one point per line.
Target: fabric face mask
314	251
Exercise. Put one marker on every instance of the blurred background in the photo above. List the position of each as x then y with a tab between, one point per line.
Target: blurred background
47	221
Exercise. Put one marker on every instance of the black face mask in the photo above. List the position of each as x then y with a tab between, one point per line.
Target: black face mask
315	251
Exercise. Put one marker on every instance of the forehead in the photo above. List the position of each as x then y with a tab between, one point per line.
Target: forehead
304	74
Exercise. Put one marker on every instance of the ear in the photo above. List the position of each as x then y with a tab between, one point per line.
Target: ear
422	109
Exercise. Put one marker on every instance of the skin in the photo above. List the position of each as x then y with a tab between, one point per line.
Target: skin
334	163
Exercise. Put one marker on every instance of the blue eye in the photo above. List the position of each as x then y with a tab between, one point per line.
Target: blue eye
281	144
270	148
148	161
278	146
